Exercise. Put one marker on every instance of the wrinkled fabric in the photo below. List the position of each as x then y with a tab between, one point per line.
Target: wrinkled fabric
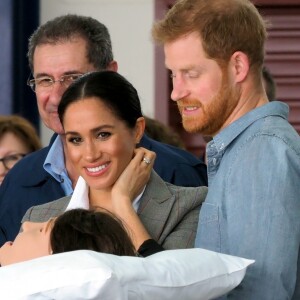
253	205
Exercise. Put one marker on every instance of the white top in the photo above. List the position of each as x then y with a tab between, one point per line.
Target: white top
80	197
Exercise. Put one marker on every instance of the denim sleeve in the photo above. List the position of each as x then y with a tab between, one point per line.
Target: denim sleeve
263	216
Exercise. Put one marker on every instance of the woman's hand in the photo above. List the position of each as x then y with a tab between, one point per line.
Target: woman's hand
128	186
136	175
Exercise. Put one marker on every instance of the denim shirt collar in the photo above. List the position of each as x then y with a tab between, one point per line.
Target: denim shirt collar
228	134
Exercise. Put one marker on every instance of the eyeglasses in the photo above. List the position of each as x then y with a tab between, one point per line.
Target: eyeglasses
10	160
45	82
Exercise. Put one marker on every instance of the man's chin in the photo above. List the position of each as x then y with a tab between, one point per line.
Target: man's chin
190	127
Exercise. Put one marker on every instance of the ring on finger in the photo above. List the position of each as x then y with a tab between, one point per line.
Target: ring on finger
147	160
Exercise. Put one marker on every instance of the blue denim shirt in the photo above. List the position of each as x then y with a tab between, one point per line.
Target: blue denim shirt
252	208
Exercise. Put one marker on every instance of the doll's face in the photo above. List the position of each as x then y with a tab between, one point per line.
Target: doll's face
32	242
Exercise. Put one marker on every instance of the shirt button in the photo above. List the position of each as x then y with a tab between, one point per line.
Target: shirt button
62	180
214	161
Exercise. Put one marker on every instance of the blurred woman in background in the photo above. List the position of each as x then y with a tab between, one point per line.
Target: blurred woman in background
18	137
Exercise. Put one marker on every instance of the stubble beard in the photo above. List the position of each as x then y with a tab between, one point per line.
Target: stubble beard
211	117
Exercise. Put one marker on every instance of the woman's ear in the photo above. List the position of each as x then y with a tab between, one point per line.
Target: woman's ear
139	129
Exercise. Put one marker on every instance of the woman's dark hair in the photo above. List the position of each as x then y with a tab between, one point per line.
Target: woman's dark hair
112	89
81	229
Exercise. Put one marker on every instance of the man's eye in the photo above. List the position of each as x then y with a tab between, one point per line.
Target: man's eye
72	77
75	76
44	81
192	74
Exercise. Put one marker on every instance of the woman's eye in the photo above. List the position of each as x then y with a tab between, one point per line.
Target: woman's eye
74	140
104	135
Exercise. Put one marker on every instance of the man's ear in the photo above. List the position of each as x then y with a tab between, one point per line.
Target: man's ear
112	66
239	65
139	129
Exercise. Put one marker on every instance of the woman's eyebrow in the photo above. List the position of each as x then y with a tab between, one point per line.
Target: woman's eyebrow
99	128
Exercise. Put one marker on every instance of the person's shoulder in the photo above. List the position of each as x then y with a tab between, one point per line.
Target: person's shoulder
191	197
180	191
176	165
42	213
170	152
34	157
30	169
273	126
30	164
185	190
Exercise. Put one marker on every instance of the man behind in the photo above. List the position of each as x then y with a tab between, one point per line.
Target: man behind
215	51
59	52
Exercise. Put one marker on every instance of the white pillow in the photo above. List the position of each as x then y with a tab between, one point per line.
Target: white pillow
173	274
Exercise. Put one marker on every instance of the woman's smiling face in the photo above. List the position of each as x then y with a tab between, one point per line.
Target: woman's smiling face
99	145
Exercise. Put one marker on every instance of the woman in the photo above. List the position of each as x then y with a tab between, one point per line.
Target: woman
76	229
17	138
103	124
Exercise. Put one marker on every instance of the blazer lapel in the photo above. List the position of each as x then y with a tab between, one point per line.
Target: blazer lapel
155	206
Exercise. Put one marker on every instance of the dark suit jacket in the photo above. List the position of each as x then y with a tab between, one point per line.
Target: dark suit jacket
175	165
169	213
28	184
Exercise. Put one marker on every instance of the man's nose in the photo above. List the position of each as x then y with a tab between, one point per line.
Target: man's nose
179	90
57	91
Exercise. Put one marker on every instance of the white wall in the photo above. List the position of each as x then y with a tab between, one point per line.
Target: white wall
129	23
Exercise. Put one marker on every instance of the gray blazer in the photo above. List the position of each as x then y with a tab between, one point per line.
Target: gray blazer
169	213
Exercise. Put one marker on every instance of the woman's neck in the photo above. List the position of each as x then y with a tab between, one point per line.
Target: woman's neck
100	198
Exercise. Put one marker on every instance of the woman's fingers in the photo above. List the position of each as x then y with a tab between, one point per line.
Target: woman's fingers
135	176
